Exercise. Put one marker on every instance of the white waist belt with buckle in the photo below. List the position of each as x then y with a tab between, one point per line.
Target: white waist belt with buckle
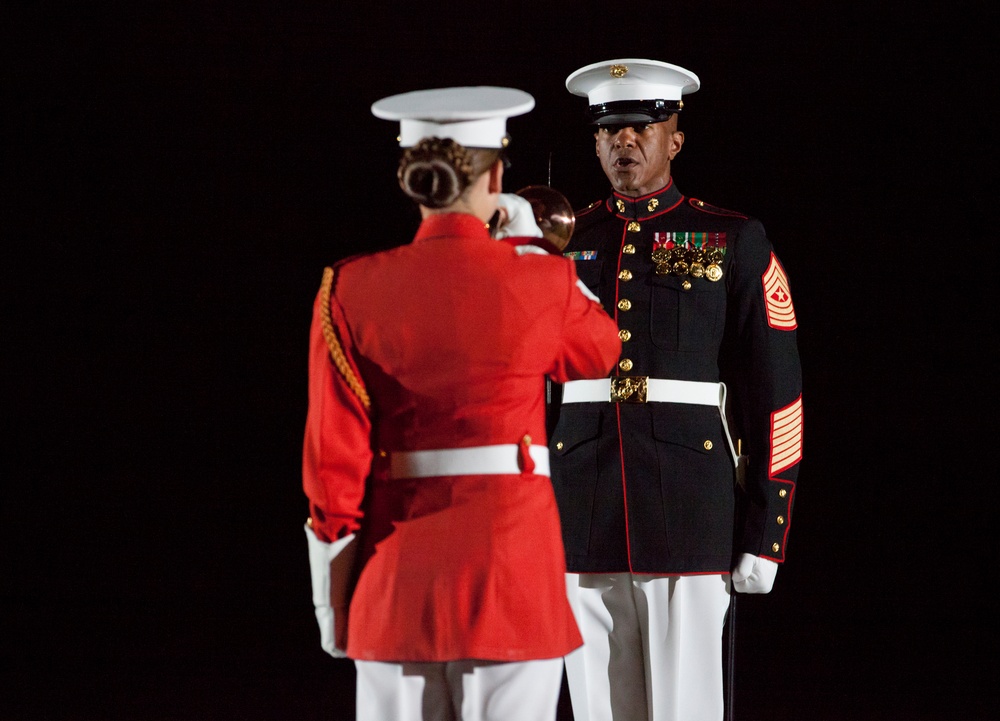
472	461
639	389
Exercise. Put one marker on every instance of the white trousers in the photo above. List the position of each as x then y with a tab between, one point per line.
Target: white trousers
652	647
466	690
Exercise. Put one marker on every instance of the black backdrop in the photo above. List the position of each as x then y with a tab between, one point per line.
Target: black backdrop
177	174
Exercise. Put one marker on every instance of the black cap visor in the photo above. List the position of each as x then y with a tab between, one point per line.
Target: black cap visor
633	111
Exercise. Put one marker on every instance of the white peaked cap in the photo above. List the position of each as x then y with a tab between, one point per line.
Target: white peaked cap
474	116
632	86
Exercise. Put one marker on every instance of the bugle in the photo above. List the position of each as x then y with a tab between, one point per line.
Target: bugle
553	213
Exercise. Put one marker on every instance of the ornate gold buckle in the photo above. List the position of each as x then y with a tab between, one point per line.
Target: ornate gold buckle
628	389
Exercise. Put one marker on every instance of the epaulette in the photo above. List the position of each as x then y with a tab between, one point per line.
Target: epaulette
713	209
590	208
593	214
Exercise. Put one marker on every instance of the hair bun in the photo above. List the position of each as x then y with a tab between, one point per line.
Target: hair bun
435	172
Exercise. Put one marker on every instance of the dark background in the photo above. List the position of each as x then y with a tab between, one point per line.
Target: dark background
177	174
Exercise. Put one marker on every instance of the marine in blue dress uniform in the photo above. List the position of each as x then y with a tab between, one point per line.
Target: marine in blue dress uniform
645	463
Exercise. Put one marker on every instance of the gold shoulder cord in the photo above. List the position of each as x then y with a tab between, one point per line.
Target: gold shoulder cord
336	351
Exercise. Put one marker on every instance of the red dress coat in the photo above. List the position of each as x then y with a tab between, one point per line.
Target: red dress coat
452	336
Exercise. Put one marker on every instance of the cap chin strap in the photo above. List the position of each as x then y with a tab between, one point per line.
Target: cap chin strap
650	111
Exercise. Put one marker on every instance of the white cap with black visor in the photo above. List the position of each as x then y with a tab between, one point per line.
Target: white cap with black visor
632	90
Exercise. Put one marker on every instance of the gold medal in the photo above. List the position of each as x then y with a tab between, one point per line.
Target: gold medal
697	270
713	272
661	255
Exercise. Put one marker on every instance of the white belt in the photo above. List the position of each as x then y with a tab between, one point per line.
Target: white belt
640	389
473	461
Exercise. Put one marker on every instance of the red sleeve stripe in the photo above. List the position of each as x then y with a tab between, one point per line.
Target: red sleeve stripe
778	297
786	437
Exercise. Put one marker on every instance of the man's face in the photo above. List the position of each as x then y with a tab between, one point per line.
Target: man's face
636	157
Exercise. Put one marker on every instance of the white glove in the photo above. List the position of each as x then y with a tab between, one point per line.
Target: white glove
754	574
331	566
517	219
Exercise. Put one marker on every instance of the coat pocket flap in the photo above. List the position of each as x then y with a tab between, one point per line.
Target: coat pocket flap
692	426
578	423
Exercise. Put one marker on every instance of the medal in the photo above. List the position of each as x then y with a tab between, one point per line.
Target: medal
696	254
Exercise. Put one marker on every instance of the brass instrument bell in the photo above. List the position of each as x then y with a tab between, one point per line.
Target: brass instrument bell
553	213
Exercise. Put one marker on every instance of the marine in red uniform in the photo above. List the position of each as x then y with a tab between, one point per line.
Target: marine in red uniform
654	524
425	450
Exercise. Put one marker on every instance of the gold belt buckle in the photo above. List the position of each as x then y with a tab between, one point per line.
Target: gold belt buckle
628	389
